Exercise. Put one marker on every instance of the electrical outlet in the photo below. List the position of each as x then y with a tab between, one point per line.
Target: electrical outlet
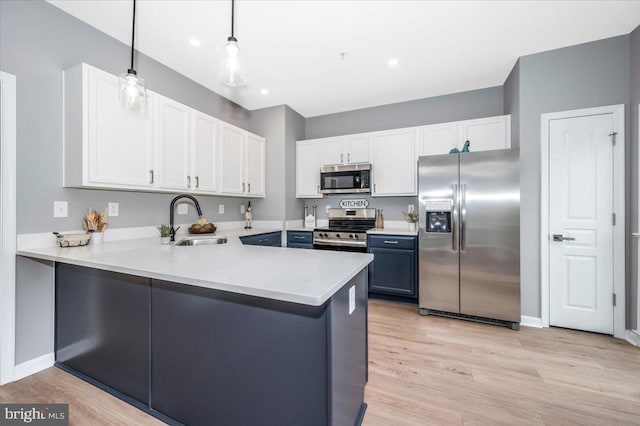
114	209
326	209
243	209
220	208
411	208
183	208
60	208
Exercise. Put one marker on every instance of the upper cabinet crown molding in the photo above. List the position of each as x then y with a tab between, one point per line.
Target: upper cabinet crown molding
169	147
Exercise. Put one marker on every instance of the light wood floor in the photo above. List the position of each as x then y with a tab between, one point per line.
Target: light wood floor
430	370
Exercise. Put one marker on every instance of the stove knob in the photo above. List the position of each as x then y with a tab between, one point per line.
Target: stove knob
337	235
351	236
356	236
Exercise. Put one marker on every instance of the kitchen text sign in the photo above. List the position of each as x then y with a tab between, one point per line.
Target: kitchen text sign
355	203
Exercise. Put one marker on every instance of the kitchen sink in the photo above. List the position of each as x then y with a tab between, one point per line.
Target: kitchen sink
201	241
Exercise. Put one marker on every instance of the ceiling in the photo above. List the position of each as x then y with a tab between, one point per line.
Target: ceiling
291	47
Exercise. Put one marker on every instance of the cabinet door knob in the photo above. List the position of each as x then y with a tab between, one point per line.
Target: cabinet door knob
197	182
243	187
318	189
249	187
188	181
151	177
342	158
348	157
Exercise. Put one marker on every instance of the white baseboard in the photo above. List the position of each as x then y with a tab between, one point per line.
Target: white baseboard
33	366
633	337
527	321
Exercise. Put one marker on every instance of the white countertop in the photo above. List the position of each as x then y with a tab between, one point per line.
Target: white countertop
309	277
394	230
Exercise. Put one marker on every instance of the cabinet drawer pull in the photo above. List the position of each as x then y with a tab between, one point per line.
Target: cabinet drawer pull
390	242
151	177
188	181
197	182
297	237
249	187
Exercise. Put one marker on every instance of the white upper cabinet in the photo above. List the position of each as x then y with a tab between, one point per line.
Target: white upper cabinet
174	145
346	149
242	158
105	145
205	153
169	147
483	134
486	133
437	139
308	163
394	162
254	166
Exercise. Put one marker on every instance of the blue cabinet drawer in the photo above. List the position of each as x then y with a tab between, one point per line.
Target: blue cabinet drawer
299	237
269	239
400	242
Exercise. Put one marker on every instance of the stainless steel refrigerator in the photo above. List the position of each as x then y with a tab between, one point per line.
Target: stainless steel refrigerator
470	236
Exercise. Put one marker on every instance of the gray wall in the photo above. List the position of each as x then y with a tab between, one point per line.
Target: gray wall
512	103
588	75
440	109
634	321
270	123
294	131
37	53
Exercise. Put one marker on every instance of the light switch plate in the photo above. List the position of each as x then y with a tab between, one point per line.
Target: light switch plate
183	208
352	299
114	209
221	208
60	208
411	208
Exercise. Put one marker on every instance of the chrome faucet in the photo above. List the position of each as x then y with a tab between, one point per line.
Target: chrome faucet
172	206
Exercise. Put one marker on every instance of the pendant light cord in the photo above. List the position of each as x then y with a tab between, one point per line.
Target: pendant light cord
232	2
133	32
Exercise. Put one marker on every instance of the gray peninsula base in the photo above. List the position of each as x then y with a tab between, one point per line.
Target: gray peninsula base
196	356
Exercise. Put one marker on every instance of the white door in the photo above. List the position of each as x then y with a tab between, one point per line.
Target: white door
332	152
120	140
231	159
394	163
205	153
356	148
174	122
581	213
308	163
254	165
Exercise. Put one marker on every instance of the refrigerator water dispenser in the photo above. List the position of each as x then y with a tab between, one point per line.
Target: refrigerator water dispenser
438	222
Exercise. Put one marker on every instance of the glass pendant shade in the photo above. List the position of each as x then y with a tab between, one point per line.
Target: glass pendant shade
133	93
230	70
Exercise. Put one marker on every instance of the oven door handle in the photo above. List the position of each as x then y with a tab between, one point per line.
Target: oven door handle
340	243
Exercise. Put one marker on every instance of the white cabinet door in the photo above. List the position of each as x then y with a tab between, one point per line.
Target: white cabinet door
332	151
174	141
394	163
308	163
357	148
205	153
254	166
437	139
486	133
231	159
120	142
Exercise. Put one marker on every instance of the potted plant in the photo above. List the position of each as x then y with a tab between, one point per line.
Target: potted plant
95	223
165	233
412	220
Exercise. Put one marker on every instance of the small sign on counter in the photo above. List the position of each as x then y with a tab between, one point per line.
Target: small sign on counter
354	203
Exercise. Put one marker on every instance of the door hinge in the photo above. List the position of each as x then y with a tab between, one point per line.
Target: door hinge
613	219
613	137
614	299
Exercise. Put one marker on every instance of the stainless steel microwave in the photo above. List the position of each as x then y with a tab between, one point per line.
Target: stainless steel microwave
349	179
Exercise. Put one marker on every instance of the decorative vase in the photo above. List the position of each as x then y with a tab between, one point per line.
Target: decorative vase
165	240
413	226
97	237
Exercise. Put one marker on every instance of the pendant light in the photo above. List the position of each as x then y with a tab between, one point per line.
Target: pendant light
133	93
230	71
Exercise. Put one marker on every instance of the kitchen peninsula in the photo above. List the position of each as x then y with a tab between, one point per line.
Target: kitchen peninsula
216	334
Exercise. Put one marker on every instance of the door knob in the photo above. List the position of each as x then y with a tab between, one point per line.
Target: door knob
559	237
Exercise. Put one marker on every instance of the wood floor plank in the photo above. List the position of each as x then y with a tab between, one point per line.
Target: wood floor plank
438	371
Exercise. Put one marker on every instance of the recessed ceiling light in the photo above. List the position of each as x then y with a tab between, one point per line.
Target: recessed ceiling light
392	62
264	91
194	42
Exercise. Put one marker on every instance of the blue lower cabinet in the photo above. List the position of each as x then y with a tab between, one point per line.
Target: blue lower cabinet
300	239
273	239
393	271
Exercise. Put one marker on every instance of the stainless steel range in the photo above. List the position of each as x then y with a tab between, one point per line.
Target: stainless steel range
347	230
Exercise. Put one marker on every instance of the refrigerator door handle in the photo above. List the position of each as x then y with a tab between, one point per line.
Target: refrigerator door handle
463	216
454	225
